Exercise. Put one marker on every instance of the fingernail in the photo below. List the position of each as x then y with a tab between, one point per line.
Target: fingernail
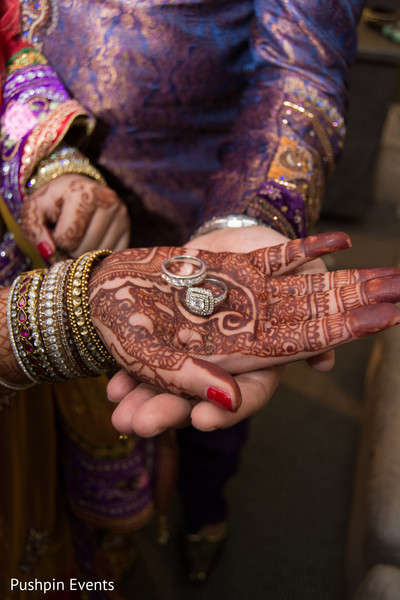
45	249
220	398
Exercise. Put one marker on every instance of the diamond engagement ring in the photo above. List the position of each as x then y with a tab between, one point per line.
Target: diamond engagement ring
176	262
201	301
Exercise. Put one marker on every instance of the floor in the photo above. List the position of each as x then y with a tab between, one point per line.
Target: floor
289	504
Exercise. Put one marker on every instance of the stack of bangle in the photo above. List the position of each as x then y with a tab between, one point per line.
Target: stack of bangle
54	326
51	332
91	350
63	161
24	329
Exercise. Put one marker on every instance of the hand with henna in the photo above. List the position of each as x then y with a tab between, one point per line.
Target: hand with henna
73	214
141	406
270	317
256	387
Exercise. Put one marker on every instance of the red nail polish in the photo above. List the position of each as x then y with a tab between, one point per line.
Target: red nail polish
45	249
220	398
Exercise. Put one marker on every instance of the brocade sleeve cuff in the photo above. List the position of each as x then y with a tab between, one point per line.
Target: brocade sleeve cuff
284	186
37	113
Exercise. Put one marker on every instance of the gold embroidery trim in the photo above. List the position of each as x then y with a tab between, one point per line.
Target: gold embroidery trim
319	130
25	58
44	137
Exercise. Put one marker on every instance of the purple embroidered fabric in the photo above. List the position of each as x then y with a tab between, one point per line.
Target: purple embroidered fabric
113	489
28	95
12	260
190	97
284	209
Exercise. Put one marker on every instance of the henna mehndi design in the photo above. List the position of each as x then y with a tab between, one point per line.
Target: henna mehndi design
269	317
85	194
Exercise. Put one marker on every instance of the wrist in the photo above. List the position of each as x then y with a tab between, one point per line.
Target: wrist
243	239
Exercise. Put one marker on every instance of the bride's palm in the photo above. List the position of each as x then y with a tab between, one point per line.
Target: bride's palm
269	317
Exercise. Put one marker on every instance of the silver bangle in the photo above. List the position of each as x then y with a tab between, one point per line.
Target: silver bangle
227	222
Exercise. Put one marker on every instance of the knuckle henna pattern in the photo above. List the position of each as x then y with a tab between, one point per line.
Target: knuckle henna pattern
88	196
145	324
32	217
85	195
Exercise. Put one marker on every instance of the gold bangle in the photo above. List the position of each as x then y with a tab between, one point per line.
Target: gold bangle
90	348
63	161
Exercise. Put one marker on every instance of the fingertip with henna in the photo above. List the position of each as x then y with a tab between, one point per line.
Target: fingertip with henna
383	289
374	318
220	398
221	390
325	243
